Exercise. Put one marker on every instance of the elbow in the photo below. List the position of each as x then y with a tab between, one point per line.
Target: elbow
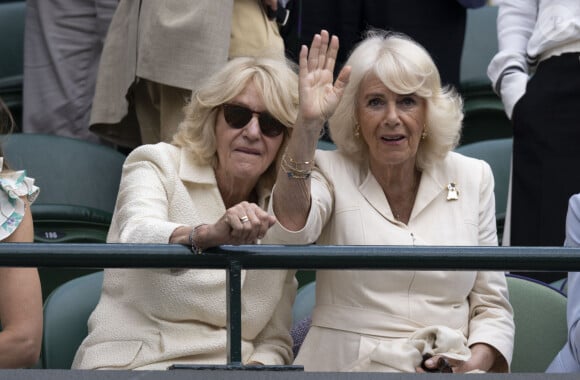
29	352
25	351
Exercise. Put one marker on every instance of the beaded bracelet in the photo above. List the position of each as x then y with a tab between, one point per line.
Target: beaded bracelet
194	247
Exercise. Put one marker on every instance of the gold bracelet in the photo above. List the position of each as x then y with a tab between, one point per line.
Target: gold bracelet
298	170
194	247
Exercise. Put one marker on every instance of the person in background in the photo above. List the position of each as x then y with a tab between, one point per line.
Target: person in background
63	40
20	294
438	25
537	74
157	52
568	359
208	188
393	180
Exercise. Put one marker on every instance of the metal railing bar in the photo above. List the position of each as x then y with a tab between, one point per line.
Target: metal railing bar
235	258
234	312
291	257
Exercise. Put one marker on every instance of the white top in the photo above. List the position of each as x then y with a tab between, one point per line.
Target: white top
530	31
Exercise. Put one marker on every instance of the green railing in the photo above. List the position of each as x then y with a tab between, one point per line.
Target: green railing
235	258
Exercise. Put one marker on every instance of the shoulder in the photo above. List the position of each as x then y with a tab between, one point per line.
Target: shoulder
334	162
159	154
467	166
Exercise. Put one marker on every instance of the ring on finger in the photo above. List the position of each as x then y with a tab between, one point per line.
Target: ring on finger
244	219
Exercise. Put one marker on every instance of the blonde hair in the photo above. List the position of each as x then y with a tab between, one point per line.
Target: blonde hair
275	79
404	67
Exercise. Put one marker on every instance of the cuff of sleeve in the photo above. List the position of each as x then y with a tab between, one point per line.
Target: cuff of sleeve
278	234
267	358
513	87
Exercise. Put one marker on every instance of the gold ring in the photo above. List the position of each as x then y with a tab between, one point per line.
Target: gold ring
244	219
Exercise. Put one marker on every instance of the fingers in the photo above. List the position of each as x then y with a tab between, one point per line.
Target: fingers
313	55
322	54
342	79
436	363
248	223
332	54
323	49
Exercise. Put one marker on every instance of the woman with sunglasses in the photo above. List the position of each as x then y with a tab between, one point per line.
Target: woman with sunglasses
392	181
208	188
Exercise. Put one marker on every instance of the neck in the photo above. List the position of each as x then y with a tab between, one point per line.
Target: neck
234	190
400	187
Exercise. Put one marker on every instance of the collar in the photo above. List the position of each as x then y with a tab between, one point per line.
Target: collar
192	171
434	181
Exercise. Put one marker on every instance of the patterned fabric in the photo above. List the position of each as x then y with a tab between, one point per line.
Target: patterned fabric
13	185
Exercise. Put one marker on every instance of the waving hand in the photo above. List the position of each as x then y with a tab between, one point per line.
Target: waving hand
319	97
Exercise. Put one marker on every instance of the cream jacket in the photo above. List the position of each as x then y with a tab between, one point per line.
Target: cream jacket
152	318
356	309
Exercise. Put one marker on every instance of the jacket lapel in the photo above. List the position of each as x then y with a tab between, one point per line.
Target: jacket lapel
433	184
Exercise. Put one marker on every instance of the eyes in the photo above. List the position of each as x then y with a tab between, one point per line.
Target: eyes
404	101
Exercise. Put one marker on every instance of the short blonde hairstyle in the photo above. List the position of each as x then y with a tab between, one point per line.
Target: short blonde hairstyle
404	67
275	79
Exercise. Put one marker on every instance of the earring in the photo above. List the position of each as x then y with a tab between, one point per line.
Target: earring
356	130
424	134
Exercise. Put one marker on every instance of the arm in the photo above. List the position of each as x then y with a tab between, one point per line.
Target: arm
573	312
143	208
20	307
487	221
491	327
318	100
509	69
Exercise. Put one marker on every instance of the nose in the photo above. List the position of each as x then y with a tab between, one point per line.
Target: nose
252	129
392	115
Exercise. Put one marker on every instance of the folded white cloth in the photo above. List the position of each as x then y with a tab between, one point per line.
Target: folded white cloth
405	355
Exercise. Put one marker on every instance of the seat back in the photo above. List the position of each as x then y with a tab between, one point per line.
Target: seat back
66	312
480	44
540	318
485	117
68	171
78	181
497	153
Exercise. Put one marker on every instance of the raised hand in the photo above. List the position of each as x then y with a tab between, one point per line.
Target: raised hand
319	97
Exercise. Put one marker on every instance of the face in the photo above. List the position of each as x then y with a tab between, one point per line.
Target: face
245	153
391	124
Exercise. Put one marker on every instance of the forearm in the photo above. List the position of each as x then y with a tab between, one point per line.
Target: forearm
21	317
291	199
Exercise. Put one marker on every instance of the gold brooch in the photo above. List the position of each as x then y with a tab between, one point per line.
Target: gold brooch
452	192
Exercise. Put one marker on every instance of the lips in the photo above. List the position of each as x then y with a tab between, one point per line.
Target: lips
392	138
251	151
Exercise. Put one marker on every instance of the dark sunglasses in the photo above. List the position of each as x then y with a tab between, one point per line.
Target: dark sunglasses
239	116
